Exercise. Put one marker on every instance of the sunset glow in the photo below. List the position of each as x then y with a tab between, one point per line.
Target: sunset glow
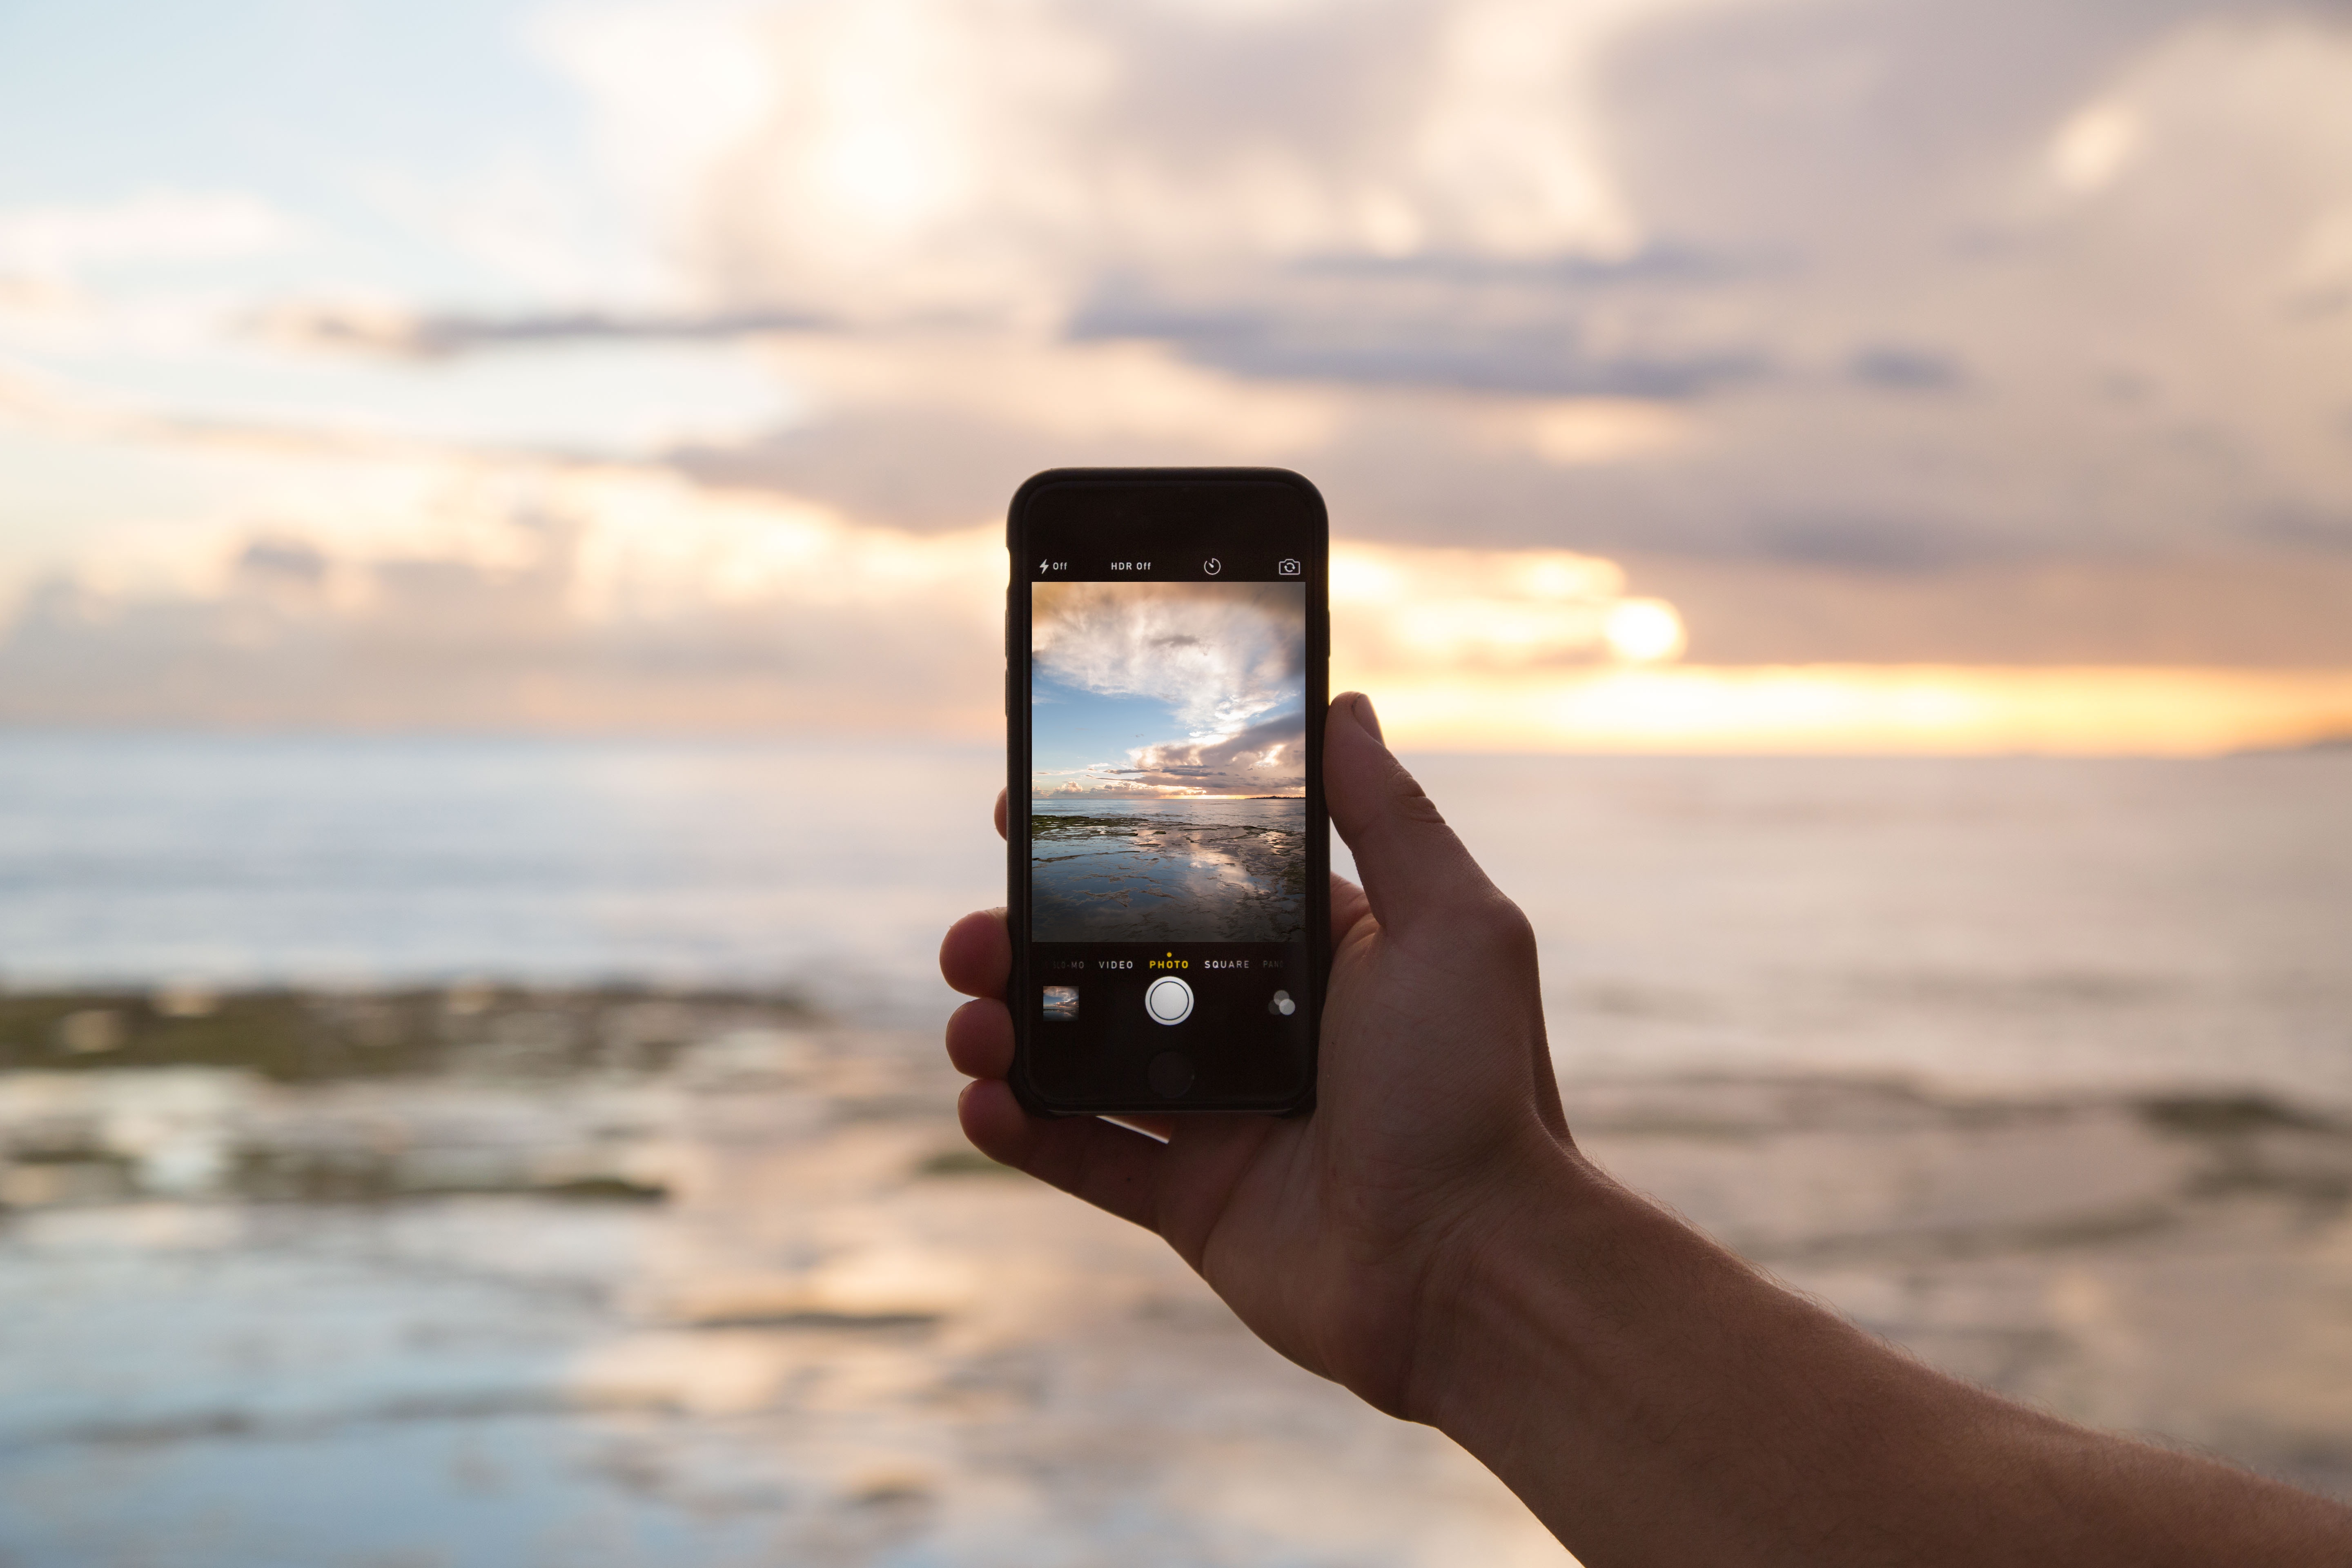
675	375
1875	709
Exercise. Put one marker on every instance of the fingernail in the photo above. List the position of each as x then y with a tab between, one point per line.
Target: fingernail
1368	719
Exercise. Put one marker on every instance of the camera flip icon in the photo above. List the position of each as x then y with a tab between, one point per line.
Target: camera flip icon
1287	567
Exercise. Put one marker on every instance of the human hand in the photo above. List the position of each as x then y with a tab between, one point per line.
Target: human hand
1430	1237
1336	1237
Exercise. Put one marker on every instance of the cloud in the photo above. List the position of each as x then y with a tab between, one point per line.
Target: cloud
1886	264
946	159
1529	332
1218	654
1265	759
156	228
555	600
402	333
1890	258
409	588
1837	323
489	597
1268	758
2249	609
1906	367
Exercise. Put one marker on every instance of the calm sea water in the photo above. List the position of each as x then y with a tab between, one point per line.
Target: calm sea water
1168	870
2015	920
838	1342
343	860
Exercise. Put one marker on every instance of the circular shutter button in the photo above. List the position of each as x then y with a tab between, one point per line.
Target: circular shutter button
1169	1000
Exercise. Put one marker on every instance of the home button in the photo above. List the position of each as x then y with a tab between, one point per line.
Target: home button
1170	1073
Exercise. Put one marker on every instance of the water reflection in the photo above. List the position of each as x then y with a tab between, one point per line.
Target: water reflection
1173	870
746	1299
756	1302
471	1276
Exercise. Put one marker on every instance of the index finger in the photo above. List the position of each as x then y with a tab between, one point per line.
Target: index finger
976	957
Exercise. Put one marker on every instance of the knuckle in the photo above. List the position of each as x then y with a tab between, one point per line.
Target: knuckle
1410	801
1501	925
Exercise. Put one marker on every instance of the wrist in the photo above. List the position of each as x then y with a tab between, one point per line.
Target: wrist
1589	1348
1498	1279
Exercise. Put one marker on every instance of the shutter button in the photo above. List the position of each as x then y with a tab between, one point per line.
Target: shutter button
1169	1000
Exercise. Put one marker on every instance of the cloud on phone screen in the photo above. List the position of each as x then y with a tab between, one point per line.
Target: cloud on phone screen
1217	667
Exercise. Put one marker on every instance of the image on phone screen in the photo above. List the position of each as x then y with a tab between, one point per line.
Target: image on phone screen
1168	743
1170	852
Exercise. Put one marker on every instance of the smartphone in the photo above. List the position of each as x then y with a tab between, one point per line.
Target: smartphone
1167	642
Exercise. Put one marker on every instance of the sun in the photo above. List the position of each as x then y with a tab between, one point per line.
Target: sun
1643	631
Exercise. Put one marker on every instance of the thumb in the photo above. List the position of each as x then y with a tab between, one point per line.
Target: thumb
1415	871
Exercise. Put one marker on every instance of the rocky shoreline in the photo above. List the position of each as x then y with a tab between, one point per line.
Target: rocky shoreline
736	1280
1144	877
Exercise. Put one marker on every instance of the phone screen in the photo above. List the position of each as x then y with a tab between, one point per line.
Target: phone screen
1166	816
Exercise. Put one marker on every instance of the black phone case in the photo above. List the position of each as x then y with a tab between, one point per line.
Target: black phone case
1113	1101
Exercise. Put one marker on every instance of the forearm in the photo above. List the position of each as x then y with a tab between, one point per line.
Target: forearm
1656	1401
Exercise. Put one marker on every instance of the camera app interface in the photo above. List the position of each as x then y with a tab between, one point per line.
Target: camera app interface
1168	819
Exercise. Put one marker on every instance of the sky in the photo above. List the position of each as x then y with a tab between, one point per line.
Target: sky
1166	689
1683	374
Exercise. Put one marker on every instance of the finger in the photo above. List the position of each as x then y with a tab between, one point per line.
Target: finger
976	956
1347	906
980	1038
1117	1170
1000	813
1415	871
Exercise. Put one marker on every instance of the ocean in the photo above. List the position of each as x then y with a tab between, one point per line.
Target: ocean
1960	1047
2010	922
344	861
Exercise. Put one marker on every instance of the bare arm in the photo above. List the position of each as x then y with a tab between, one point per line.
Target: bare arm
1654	1400
1431	1237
